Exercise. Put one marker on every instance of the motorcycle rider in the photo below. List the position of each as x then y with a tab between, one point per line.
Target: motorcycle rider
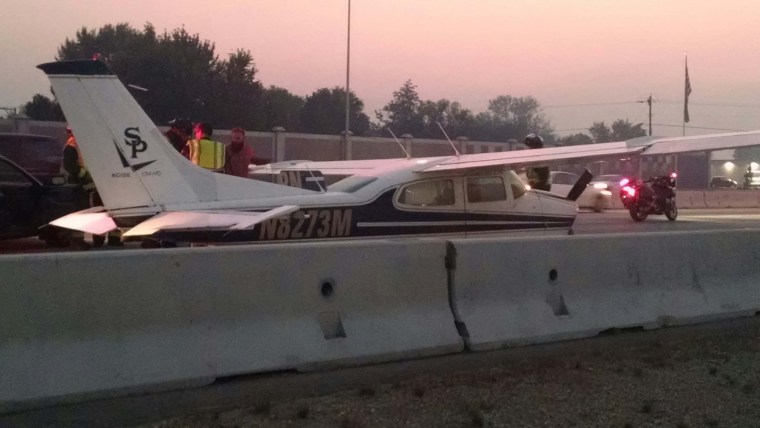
538	177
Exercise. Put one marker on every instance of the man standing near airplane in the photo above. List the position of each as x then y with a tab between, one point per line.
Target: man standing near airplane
538	177
239	155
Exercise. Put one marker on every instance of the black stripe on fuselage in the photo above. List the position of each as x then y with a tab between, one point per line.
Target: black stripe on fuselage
378	218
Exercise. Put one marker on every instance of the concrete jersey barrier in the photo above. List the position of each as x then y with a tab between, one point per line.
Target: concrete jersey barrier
74	324
514	292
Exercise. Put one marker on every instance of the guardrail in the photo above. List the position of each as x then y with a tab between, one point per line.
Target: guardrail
74	326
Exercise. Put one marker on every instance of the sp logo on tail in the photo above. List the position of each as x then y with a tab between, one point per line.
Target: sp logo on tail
136	145
134	141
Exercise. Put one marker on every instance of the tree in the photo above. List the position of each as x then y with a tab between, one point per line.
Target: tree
455	120
324	112
237	96
402	113
43	108
574	140
182	73
600	133
624	130
519	116
621	130
281	108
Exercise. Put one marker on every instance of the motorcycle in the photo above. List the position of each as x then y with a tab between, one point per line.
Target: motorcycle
655	195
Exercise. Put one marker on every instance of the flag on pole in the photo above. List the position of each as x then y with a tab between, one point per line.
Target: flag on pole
687	92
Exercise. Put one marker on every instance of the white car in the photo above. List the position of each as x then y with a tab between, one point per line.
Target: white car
610	182
596	196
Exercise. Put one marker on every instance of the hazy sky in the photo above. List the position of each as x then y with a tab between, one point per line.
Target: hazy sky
584	60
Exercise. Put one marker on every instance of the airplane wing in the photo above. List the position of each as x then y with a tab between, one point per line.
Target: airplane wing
536	156
699	143
182	220
92	220
645	146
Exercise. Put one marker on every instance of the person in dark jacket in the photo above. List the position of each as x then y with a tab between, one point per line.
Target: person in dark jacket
538	177
178	134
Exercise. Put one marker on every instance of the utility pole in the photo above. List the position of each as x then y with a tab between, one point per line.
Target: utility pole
649	101
346	131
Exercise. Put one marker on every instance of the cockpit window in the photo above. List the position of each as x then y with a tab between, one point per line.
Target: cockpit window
485	189
350	184
433	193
517	185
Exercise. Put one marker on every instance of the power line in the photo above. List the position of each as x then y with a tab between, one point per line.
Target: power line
589	104
712	104
691	103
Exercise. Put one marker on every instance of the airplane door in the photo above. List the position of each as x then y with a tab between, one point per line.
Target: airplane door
487	205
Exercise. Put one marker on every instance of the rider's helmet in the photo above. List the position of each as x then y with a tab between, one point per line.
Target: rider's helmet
534	141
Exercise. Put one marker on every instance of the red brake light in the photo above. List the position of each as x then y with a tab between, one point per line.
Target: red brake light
624	181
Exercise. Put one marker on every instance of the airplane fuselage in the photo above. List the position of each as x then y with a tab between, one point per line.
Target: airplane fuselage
446	203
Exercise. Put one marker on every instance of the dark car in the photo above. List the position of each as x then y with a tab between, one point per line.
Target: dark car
26	204
39	155
723	182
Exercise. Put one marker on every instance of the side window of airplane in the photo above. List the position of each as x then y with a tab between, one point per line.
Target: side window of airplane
517	185
485	189
432	193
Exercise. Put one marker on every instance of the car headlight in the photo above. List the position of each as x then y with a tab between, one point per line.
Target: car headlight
600	185
606	193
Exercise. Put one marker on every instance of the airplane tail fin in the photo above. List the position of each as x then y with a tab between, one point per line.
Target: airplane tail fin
129	159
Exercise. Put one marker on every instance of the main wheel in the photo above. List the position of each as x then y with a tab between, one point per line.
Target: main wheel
599	205
638	212
671	211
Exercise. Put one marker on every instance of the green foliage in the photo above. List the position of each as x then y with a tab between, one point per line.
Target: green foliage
600	133
324	112
184	77
621	130
281	108
574	140
43	108
407	114
182	73
402	114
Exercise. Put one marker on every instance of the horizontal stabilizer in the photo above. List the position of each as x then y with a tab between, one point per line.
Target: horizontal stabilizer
193	220
92	220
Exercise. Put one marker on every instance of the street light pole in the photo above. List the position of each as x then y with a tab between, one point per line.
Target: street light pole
348	72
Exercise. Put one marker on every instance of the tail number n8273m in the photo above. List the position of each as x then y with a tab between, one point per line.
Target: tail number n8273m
313	224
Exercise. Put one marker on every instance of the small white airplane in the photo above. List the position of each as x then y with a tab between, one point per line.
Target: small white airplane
149	189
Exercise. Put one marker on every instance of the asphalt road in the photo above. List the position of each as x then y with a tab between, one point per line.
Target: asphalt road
587	222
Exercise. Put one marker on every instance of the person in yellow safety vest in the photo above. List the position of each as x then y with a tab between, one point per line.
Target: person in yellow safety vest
76	173
204	151
73	165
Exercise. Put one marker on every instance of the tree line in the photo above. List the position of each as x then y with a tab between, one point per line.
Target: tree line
177	74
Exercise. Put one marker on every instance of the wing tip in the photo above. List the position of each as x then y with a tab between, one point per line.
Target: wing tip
80	67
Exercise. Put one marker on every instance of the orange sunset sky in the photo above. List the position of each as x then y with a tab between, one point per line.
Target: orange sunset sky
584	60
